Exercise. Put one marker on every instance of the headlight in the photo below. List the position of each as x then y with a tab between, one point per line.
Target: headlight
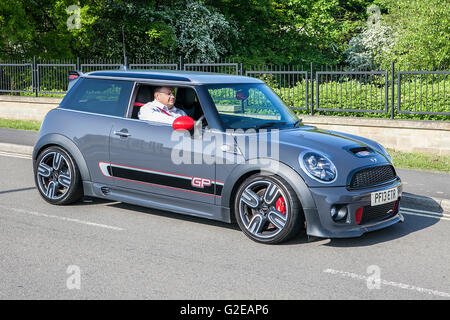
318	166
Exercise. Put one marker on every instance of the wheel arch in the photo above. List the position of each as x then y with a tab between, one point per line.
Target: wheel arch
59	140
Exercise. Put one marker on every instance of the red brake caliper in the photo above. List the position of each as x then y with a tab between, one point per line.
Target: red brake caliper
281	205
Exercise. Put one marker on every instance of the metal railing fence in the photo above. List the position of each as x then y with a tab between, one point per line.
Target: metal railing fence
220	67
52	78
352	91
423	92
327	89
16	77
291	85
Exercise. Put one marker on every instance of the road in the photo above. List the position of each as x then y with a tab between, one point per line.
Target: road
107	250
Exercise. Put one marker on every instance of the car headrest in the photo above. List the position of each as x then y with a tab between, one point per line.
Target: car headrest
145	94
185	97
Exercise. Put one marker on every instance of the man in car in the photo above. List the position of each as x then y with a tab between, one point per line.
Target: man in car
162	109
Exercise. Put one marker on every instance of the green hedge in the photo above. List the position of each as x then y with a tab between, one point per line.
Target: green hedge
356	96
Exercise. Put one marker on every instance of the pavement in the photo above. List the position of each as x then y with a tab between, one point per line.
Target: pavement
425	190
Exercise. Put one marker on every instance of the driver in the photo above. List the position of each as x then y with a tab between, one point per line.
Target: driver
162	109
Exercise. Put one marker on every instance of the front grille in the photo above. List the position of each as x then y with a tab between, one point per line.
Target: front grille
372	176
378	213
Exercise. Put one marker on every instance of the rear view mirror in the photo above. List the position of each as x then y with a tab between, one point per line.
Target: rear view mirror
183	123
242	94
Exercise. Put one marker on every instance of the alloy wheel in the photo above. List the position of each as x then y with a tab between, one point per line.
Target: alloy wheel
263	209
54	175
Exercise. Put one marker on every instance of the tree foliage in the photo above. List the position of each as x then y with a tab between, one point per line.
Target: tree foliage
201	33
411	33
254	31
29	28
368	49
421	31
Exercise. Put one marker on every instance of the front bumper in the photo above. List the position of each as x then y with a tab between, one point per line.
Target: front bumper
321	224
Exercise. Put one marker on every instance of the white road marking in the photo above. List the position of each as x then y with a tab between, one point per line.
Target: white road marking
426	214
15	155
425	211
388	283
38	214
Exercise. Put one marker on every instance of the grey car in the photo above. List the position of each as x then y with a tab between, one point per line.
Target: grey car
240	155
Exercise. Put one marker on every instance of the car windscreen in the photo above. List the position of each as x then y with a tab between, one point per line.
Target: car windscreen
245	106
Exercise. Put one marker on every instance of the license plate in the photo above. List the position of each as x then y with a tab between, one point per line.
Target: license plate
385	196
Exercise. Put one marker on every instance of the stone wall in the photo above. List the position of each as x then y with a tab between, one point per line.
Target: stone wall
402	135
26	108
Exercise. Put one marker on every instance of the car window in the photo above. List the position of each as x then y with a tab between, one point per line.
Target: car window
250	106
240	101
109	97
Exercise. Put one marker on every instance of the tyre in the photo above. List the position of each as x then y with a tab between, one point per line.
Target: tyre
57	176
267	209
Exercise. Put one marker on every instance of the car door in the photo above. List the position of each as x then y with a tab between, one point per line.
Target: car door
154	158
92	107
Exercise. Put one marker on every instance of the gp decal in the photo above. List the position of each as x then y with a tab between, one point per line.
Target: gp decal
162	179
200	182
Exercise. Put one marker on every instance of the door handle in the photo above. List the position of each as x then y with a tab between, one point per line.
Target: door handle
122	133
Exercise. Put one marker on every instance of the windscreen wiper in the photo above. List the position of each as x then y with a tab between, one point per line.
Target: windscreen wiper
297	122
268	124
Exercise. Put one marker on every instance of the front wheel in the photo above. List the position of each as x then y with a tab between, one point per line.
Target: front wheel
57	176
267	209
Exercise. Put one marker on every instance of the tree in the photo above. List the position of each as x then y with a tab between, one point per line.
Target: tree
422	32
105	23
293	31
201	33
31	28
368	49
411	33
153	30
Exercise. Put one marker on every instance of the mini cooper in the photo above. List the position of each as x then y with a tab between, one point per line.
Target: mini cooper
239	155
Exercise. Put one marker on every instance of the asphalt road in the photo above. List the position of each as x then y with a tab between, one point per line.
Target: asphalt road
108	250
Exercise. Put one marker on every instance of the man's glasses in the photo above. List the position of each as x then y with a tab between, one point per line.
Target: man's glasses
169	93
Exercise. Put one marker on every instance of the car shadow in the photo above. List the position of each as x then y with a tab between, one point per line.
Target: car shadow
173	215
90	201
416	218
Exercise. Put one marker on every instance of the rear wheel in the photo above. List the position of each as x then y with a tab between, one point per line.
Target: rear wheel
267	209
57	176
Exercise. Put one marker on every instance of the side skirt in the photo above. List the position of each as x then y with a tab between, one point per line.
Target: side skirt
160	202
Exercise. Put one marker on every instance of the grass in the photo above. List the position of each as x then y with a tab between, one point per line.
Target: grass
405	160
20	124
419	161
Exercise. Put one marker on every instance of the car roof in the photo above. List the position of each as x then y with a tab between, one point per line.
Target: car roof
193	77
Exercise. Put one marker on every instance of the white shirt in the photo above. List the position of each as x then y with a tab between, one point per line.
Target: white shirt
156	111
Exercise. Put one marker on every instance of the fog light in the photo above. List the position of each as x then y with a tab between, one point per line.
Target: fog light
338	213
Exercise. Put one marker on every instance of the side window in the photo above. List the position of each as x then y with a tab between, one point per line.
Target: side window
185	99
109	97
